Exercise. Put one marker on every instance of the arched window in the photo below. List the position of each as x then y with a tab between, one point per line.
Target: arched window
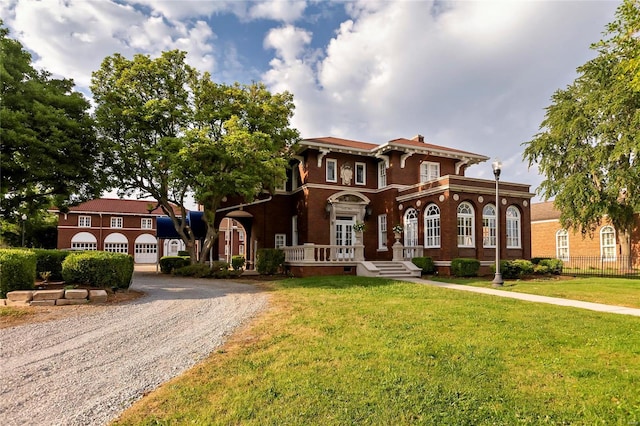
432	226
466	225
562	244
489	226
84	241
608	243
411	227
513	227
116	243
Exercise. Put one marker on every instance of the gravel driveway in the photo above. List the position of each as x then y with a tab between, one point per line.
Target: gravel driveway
87	369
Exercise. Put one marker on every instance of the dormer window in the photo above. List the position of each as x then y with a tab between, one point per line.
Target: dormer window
429	171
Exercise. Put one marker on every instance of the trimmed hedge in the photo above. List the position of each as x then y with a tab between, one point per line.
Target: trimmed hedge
17	270
237	262
463	267
269	261
98	269
170	263
425	263
50	260
217	269
513	269
553	266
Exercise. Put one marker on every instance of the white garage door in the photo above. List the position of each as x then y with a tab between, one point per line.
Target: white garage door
146	249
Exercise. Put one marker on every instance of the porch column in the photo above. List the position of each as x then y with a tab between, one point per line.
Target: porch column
398	248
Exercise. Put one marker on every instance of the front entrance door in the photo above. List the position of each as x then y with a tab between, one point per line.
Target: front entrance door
344	236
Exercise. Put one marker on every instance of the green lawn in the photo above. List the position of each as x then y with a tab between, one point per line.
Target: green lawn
611	291
354	350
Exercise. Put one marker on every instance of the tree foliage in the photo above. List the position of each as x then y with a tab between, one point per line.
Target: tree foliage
175	132
589	145
50	153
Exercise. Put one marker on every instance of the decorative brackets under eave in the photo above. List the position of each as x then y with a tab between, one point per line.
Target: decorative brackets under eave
321	155
385	158
461	163
300	159
403	158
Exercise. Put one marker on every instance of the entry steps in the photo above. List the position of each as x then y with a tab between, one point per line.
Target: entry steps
389	269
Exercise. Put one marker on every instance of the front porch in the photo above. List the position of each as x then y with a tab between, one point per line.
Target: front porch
330	259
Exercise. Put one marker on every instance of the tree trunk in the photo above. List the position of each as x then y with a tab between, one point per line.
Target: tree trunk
625	246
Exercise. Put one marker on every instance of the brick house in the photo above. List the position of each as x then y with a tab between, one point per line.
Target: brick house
334	184
550	239
231	240
122	226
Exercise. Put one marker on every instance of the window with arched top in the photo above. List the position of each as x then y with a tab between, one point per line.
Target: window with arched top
513	227
489	226
411	227
466	225
432	226
608	243
562	244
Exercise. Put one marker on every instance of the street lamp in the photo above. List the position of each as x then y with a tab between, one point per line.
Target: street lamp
24	219
497	168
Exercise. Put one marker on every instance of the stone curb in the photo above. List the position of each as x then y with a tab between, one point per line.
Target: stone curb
54	297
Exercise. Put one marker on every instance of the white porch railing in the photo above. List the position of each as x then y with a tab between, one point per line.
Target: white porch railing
409	252
316	253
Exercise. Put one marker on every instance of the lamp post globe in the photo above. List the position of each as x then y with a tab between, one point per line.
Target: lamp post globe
497	168
24	219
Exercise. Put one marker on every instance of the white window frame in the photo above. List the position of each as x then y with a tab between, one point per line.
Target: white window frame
81	245
84	221
361	174
432	233
411	235
466	225
382	174
608	243
294	230
332	170
382	232
429	171
146	223
117	247
514	241
240	235
489	221
280	240
117	222
562	244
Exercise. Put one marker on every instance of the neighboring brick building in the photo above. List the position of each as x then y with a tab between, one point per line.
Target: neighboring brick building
335	183
549	239
122	226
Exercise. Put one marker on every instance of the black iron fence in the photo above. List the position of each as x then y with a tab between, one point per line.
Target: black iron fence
620	266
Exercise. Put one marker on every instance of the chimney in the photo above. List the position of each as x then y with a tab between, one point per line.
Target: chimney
418	138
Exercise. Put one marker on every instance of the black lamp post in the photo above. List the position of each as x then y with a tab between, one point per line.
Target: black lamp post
24	219
497	168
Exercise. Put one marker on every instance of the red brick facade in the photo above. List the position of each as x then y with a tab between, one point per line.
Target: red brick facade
545	225
126	226
335	180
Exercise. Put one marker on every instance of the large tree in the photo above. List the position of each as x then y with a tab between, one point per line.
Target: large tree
174	132
50	153
589	145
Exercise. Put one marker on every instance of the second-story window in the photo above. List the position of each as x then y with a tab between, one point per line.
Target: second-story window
382	174
361	174
116	222
429	171
332	170
146	223
84	221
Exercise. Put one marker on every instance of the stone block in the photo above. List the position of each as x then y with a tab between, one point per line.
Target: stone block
64	302
17	303
43	302
48	294
3	302
98	296
76	294
20	296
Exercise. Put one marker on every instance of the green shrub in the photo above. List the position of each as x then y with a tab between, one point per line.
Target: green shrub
219	265
554	265
50	260
17	270
169	263
198	270
237	262
462	267
514	269
536	260
182	253
269	261
541	270
424	263
98	269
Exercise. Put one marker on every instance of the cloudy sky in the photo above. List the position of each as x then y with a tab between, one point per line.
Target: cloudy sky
471	75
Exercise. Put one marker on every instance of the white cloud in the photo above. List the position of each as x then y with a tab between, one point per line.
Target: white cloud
278	10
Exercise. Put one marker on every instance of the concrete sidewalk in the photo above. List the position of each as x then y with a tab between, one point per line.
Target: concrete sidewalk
533	298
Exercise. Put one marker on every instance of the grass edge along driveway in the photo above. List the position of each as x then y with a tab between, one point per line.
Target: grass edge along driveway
354	350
